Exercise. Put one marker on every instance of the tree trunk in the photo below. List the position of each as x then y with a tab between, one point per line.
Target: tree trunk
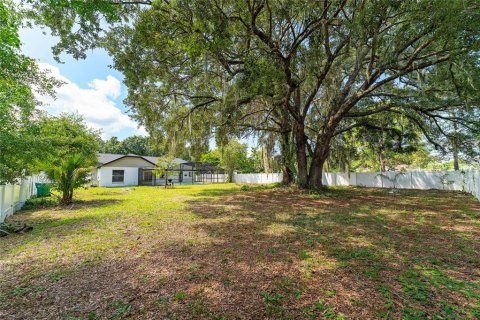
287	176
230	175
301	152
286	158
381	159
316	172
456	166
67	197
320	156
265	160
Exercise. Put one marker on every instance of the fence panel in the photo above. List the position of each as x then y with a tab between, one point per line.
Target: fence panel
329	178
468	181
475	183
369	179
343	178
257	178
388	179
13	196
476	177
3	206
423	180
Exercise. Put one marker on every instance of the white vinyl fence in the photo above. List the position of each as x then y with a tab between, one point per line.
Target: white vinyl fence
13	196
467	180
257	177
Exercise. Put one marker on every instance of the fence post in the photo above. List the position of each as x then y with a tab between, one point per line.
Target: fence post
30	187
22	197
12	198
2	201
477	179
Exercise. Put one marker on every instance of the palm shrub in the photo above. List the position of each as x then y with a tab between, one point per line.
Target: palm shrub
72	172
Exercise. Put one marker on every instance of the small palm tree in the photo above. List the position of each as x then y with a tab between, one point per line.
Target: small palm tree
71	173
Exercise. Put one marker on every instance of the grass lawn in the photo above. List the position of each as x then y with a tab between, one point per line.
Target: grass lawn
227	252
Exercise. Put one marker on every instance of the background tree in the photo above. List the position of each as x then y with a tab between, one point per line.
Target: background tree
453	99
70	151
257	162
111	145
163	164
384	137
134	144
267	141
212	157
67	134
234	158
137	145
19	79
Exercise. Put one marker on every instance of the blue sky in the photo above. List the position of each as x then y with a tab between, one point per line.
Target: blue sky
92	88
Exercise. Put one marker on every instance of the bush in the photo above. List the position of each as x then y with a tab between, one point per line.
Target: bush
39	202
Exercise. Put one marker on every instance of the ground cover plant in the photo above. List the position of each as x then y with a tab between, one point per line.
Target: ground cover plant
227	252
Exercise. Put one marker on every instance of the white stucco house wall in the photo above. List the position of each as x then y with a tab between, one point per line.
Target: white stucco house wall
117	170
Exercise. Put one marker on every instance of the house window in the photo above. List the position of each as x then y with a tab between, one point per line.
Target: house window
147	176
118	175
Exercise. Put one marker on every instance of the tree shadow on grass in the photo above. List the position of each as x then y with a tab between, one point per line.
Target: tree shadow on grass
382	255
215	192
228	190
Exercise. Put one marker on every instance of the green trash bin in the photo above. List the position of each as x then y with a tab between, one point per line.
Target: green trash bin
43	189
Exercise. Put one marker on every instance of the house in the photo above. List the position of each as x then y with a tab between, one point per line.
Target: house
115	170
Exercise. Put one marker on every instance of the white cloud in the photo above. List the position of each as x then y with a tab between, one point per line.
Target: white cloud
109	87
96	103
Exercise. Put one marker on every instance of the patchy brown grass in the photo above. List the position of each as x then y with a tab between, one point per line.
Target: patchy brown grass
214	252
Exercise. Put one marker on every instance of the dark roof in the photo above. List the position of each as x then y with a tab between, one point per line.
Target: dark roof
108	157
104	158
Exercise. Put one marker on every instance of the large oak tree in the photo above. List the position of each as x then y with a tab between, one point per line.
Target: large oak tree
307	70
